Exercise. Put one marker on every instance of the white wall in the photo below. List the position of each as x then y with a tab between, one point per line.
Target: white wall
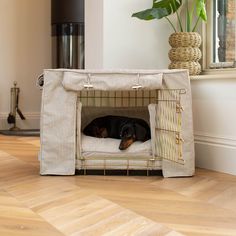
94	34
124	41
25	46
214	103
133	43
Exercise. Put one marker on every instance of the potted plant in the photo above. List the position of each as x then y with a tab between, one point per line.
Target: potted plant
185	41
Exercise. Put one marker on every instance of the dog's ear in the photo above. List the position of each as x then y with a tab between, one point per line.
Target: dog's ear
140	132
127	131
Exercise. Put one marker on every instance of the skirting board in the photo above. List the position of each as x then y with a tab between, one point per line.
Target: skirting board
32	121
216	153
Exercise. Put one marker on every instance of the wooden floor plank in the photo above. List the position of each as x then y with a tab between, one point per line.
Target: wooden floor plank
17	220
31	204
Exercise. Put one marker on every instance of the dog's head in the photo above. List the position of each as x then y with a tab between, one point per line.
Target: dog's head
127	135
131	132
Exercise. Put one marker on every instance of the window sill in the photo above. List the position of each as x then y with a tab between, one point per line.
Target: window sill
216	74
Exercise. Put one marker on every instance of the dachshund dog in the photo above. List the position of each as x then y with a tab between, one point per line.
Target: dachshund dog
127	129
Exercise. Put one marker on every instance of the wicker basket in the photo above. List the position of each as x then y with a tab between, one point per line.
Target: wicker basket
185	52
193	67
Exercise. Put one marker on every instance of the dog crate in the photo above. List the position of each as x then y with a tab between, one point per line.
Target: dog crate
73	98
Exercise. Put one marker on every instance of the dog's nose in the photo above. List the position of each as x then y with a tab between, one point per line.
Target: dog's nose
121	147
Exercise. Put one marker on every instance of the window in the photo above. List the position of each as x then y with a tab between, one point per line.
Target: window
221	32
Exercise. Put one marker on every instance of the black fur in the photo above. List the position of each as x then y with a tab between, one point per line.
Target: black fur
119	127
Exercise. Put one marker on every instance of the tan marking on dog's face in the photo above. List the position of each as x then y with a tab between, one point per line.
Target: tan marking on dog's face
125	143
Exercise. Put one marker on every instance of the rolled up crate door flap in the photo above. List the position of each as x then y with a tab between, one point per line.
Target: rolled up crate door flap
76	81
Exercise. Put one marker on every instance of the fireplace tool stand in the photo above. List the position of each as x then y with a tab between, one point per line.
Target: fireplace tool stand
14	108
14	111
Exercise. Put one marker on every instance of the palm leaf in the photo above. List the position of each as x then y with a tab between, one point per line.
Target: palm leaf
170	5
201	9
160	9
150	14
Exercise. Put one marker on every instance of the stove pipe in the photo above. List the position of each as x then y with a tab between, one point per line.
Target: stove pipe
67	19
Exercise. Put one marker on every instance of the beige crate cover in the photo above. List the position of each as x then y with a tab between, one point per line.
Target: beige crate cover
58	150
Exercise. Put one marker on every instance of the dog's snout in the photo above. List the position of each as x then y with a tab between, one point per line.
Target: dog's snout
125	143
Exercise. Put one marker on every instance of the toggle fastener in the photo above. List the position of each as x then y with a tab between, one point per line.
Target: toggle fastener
179	108
178	139
138	86
88	86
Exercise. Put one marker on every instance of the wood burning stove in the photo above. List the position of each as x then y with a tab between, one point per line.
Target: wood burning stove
67	19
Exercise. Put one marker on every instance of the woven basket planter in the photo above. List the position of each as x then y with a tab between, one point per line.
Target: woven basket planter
185	52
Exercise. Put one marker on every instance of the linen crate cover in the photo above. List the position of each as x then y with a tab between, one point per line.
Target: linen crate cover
58	152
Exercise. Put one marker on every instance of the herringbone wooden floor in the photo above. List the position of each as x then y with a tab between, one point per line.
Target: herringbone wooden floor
32	205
